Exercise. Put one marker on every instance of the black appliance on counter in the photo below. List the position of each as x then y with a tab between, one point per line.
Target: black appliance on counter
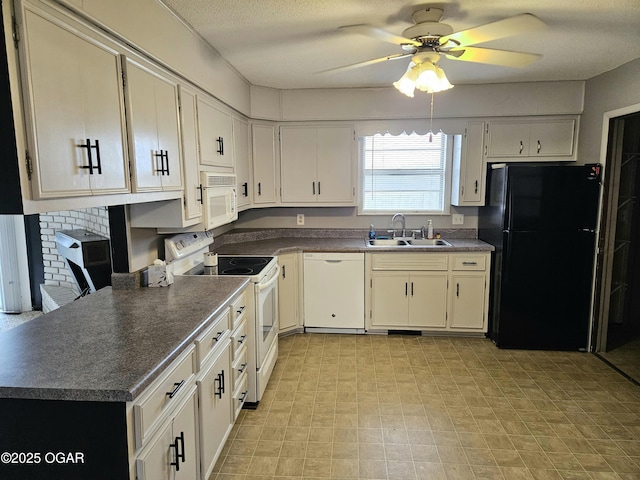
542	221
87	255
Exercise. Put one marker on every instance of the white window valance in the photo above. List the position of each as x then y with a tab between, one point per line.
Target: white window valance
450	126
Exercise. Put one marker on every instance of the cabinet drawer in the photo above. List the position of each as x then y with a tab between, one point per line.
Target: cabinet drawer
409	261
469	262
238	309
240	395
162	395
211	338
239	368
238	339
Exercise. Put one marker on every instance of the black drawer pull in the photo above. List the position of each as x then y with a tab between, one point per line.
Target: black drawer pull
218	336
242	368
177	386
243	396
220	149
242	339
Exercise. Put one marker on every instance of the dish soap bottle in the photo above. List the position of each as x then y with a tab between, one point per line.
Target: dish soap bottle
429	229
372	232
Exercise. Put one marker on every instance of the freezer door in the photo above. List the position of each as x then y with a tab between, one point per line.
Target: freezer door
545	291
551	198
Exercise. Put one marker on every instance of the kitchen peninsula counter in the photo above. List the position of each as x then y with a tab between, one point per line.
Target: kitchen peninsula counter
110	345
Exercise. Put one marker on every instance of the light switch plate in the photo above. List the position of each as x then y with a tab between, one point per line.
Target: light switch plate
457	219
300	219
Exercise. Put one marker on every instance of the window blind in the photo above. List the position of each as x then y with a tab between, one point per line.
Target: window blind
404	172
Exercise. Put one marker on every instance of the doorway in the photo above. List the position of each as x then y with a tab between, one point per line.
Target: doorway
618	284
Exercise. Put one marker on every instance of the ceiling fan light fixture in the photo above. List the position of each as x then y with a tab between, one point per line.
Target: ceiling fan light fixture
407	83
425	76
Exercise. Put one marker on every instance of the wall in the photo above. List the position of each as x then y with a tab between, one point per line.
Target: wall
613	90
95	220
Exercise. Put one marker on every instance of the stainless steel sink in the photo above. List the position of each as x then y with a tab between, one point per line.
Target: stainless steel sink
386	242
428	242
407	242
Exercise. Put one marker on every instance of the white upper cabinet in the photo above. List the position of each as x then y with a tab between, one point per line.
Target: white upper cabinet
152	110
544	139
188	124
215	132
263	145
74	107
241	141
469	168
317	164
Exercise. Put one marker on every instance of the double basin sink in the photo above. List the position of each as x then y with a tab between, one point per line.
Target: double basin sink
407	242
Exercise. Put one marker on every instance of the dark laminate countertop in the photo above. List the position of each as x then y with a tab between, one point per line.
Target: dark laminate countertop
280	245
110	345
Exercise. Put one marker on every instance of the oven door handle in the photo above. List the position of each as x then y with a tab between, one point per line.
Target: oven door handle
274	279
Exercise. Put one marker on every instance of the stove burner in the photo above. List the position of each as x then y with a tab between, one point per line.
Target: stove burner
248	261
237	271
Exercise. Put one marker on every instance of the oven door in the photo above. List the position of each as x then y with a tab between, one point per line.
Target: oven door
267	325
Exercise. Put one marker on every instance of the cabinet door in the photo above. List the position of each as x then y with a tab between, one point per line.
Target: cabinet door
508	139
243	161
192	192
298	157
468	293
390	299
153	116
288	294
185	427
157	460
216	136
469	169
264	163
214	393
335	165
552	139
428	299
74	87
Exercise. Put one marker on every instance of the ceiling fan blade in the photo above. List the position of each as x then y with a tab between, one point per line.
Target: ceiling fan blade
380	34
396	56
508	27
504	58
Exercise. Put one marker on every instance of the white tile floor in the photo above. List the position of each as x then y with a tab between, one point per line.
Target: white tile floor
405	407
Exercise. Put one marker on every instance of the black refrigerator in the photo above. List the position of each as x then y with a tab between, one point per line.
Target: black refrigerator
542	221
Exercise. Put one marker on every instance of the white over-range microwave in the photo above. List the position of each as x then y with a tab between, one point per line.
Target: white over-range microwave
218	199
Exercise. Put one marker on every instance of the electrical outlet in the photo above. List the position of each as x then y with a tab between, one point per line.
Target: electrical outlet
457	219
300	219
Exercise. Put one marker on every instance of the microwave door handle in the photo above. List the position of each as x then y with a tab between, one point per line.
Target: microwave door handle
262	286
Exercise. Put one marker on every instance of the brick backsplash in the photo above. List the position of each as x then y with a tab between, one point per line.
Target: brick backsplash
95	220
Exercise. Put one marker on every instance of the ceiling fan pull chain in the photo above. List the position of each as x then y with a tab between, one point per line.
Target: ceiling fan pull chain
431	121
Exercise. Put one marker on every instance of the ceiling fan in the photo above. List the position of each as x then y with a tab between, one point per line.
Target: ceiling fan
429	39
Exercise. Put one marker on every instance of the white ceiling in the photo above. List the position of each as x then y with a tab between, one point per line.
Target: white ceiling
284	43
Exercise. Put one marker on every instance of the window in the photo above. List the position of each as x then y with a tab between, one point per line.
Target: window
405	173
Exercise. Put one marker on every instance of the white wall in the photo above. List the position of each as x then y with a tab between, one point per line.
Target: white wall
614	90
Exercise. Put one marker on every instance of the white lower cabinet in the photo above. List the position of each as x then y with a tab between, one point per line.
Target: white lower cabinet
428	292
215	416
289	291
172	454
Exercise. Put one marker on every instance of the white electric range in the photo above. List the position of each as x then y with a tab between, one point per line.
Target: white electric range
186	253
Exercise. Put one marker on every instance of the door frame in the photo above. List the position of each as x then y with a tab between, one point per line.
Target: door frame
610	155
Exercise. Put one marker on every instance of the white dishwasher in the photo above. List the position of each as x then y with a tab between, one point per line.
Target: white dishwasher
334	292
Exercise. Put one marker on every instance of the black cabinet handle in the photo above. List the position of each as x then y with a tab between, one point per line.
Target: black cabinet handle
243	396
318	188
220	389
166	157
313	187
242	339
201	194
476	186
245	187
284	271
412	289
521	146
179	456
242	368
259	188
539	146
218	336
457	290
220	141
406	289
90	165
161	156
241	309
177	386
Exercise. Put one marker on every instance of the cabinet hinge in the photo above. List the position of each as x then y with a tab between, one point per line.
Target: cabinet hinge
15	32
124	79
28	162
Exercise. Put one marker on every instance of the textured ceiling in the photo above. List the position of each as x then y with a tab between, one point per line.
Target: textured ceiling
284	43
